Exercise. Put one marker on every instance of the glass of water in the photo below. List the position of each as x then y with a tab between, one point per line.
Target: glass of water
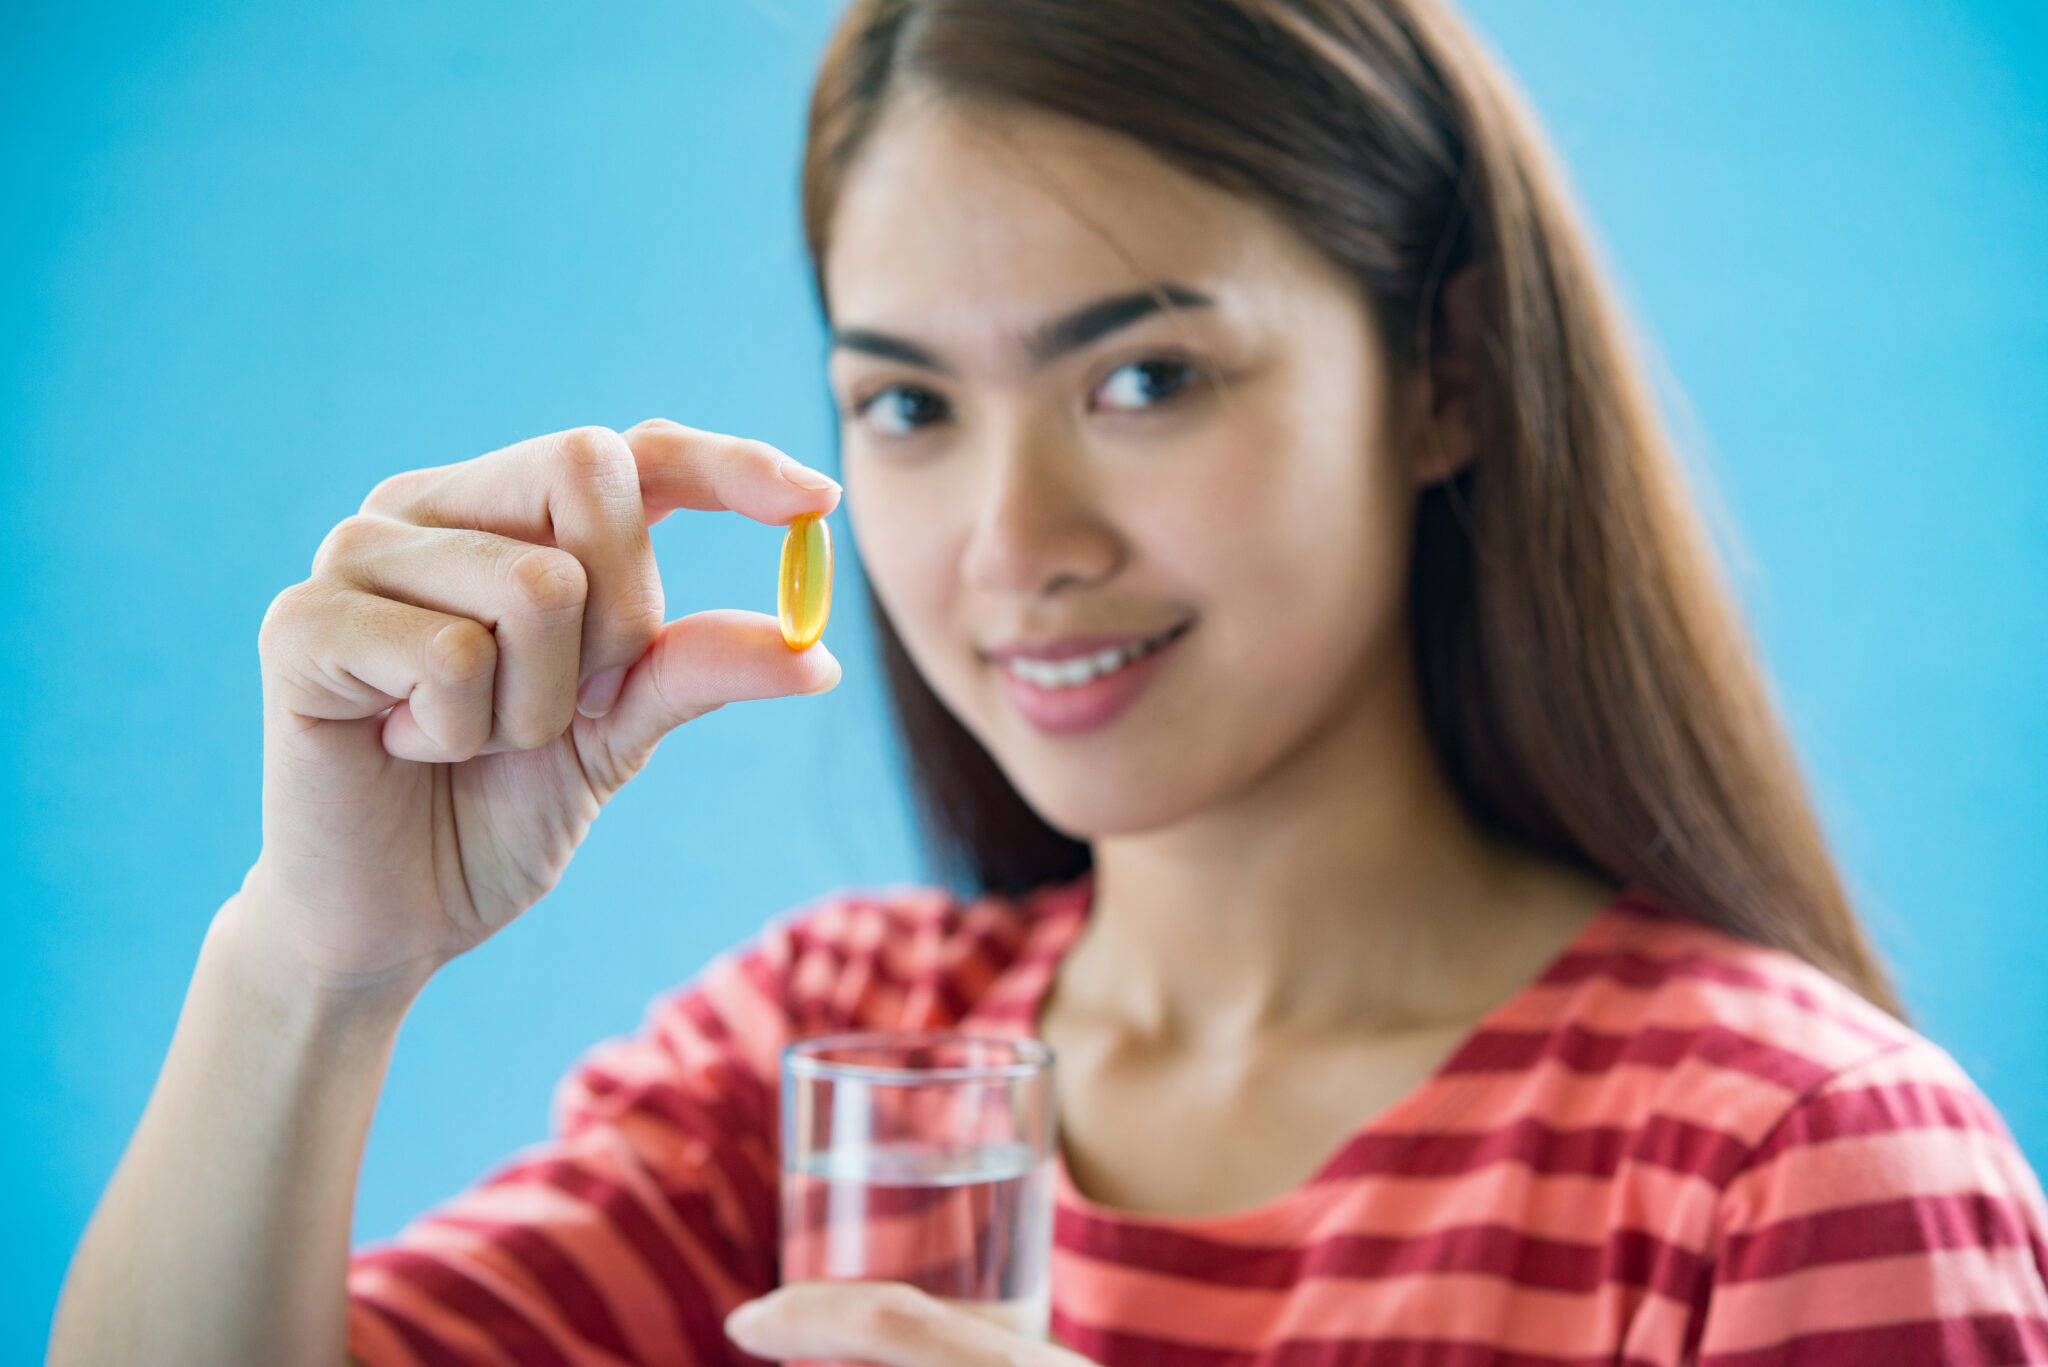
922	1158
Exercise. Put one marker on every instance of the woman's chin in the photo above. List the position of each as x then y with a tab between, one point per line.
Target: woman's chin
1101	803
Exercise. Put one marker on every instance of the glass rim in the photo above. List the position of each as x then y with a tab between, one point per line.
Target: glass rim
799	1058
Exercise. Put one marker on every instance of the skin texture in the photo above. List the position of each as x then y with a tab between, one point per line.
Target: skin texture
1294	922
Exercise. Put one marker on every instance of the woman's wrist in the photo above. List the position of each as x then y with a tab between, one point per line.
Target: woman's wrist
269	968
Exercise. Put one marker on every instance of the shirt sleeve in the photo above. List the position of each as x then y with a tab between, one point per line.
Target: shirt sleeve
1889	1218
628	1236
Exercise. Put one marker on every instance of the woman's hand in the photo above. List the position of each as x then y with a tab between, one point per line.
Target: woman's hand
885	1323
477	663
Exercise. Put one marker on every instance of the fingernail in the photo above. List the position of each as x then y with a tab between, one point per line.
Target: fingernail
804	477
600	691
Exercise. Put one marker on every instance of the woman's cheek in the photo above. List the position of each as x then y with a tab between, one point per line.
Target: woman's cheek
1297	545
1236	520
903	523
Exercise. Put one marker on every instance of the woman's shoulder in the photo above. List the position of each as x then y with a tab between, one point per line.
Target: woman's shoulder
1692	984
1770	1056
1867	1202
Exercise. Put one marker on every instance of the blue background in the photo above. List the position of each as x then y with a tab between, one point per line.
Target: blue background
257	257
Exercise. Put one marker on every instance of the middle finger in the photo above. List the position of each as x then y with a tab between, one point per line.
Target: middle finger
530	598
577	490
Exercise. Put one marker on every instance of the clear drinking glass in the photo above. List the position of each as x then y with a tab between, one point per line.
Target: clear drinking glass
922	1158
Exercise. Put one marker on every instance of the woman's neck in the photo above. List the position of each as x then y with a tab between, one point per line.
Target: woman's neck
1347	889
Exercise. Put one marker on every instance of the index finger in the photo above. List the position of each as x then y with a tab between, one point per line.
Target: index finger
593	493
682	467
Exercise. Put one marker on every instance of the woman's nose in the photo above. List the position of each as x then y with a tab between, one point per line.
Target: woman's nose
1038	525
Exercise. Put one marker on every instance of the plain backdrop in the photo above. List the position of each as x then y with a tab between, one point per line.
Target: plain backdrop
257	257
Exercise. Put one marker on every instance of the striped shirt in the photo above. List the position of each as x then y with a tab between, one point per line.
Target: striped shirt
1671	1147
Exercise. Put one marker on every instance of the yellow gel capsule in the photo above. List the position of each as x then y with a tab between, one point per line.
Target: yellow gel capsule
803	599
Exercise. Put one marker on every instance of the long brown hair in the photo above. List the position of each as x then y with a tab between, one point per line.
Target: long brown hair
1586	683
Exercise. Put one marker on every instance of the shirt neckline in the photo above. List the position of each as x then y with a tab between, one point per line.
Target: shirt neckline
1409	1118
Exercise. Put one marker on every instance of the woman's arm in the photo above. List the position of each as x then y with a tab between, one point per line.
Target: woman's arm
223	1237
476	664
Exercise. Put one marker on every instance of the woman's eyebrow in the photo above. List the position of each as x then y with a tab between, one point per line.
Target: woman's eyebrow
888	348
1049	341
1091	322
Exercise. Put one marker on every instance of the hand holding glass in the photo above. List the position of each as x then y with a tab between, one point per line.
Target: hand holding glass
922	1158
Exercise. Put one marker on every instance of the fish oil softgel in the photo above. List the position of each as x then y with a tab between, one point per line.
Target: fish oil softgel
803	598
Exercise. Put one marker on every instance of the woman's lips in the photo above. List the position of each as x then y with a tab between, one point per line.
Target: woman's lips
1033	677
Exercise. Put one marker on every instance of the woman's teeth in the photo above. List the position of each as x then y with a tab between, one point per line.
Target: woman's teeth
1080	669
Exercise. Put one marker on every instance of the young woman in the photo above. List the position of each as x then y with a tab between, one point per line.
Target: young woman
1298	628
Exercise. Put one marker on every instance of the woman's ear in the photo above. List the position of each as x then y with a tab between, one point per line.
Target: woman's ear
1449	438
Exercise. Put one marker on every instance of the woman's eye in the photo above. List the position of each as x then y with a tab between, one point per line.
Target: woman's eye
902	409
1141	384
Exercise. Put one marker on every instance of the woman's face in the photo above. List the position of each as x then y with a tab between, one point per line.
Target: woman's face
1117	457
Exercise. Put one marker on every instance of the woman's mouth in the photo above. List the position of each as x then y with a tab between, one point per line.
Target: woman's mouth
1079	683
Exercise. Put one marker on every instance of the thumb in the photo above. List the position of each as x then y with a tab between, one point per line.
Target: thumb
698	664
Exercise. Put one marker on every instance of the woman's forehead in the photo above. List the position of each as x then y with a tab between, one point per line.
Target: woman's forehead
1004	217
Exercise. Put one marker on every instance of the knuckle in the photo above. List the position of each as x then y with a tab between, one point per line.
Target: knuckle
348	539
394	491
594	452
549	580
751	451
282	618
461	653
